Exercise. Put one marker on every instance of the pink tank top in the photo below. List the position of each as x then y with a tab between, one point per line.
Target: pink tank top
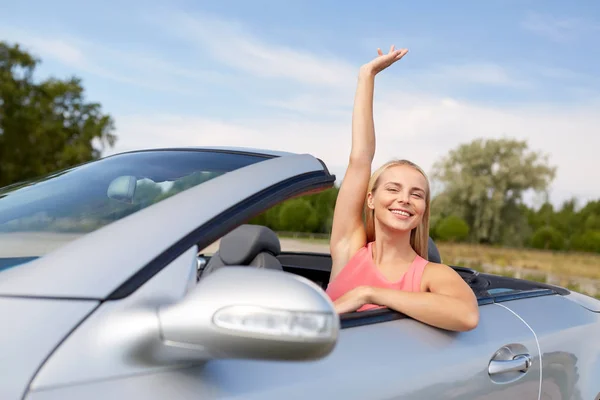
362	271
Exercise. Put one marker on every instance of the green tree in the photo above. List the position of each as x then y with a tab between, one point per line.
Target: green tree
567	220
324	203
298	215
269	218
320	209
548	238
544	216
592	222
483	182
452	229
589	216
44	126
586	241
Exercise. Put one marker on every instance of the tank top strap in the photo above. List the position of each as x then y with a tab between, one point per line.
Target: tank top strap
417	269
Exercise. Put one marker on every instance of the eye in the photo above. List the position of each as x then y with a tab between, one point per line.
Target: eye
392	189
418	195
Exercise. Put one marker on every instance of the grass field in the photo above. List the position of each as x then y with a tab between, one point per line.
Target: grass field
576	271
584	265
581	265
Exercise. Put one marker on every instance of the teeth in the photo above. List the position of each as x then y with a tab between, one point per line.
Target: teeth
401	213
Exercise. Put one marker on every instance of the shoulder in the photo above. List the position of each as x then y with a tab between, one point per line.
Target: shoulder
437	275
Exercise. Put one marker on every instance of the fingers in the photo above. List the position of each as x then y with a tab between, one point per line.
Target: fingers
382	61
397	54
401	53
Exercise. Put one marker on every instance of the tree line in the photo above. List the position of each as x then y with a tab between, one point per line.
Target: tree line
565	228
47	125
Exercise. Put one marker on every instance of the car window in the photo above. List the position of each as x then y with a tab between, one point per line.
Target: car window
38	216
497	291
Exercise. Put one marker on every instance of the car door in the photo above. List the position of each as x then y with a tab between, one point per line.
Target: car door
568	336
394	359
406	359
379	355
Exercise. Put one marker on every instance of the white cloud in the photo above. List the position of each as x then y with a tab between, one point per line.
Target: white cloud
236	47
148	131
477	73
133	68
60	50
422	129
560	30
410	123
46	47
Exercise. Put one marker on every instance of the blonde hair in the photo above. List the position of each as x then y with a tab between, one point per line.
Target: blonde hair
419	236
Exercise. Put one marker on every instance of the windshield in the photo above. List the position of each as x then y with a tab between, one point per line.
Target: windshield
38	216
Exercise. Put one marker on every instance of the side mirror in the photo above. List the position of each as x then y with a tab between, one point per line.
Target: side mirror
249	313
122	189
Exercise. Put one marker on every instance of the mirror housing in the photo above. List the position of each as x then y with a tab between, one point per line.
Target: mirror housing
249	313
122	189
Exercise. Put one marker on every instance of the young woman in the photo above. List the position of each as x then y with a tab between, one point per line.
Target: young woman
381	262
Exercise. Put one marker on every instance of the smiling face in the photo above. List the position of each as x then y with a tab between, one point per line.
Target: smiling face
399	198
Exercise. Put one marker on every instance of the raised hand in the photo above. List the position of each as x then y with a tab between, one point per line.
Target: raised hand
382	61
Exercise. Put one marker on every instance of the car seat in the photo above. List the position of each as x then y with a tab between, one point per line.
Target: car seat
433	253
247	245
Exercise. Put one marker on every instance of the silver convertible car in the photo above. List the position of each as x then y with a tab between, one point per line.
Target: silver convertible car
105	293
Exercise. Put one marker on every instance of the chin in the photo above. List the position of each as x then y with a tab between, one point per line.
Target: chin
400	226
402	229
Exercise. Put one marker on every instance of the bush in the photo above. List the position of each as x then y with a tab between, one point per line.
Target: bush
592	223
451	229
586	241
298	215
548	238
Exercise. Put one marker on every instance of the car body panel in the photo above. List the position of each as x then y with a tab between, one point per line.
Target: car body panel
31	330
569	337
94	265
105	345
391	360
585	301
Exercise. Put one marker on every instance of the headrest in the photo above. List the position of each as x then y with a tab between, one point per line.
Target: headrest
433	254
243	244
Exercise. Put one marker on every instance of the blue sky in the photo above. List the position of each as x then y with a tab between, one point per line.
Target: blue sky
281	74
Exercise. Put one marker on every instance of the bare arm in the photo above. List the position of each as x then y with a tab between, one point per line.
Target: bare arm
348	233
446	301
449	304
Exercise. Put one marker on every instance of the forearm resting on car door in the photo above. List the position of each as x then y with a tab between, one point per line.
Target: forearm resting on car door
439	310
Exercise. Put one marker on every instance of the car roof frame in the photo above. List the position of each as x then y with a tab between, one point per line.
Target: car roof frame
98	264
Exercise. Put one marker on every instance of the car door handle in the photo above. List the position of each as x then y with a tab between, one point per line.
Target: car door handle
519	363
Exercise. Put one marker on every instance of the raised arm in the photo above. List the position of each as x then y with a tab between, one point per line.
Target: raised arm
348	232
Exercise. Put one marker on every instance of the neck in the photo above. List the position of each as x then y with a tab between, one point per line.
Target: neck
392	247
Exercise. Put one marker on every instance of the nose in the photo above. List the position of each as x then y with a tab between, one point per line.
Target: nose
403	197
